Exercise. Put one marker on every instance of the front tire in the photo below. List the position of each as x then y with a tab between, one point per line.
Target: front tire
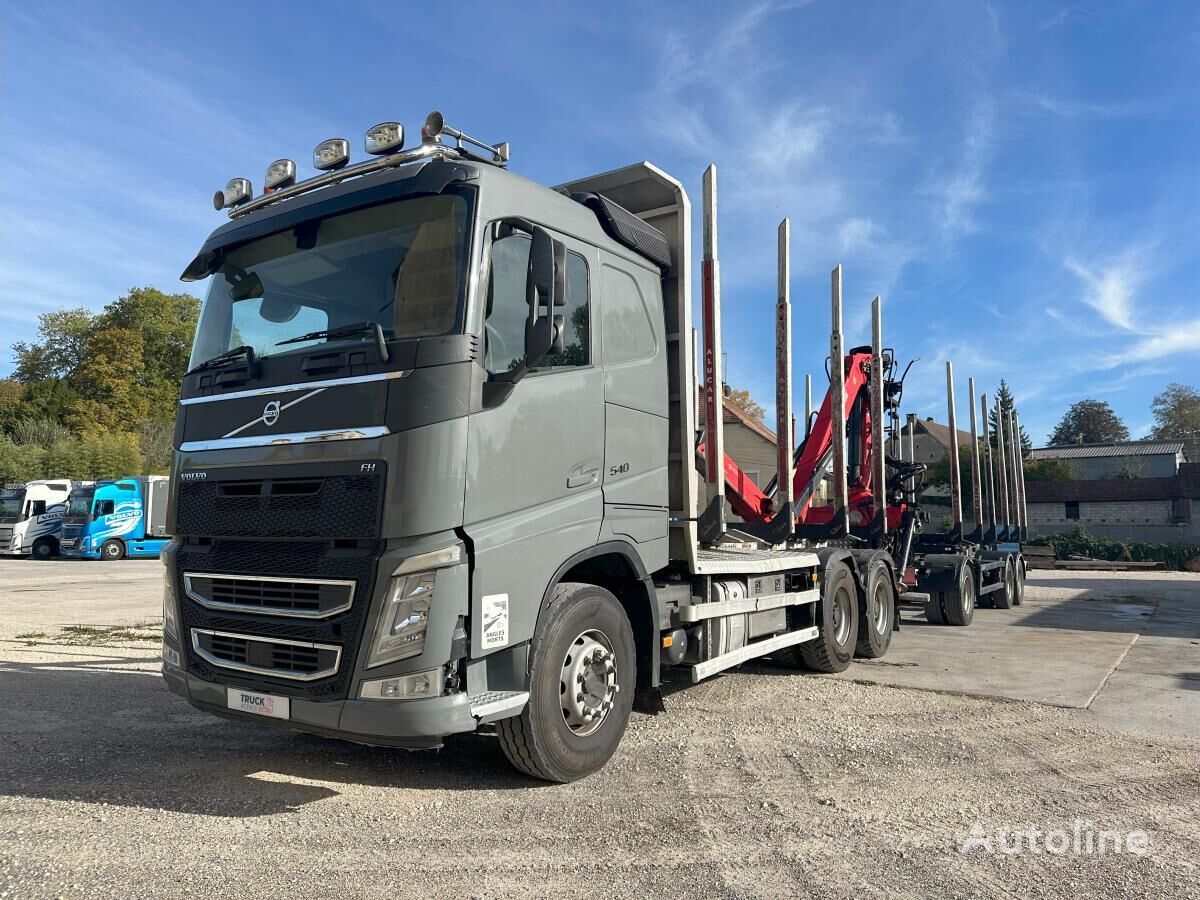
582	674
44	548
112	549
876	611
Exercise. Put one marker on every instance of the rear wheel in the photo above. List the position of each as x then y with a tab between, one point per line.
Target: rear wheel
112	549
582	673
45	548
1018	581
876	611
958	606
1005	598
837	617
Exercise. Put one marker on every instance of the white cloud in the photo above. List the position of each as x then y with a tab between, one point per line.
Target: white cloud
1112	285
1180	338
961	188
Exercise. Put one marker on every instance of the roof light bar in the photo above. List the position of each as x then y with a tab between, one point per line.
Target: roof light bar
435	126
237	191
386	137
280	173
331	154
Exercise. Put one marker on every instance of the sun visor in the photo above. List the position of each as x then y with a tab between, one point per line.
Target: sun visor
432	178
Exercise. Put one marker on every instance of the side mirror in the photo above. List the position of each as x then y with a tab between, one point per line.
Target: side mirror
545	289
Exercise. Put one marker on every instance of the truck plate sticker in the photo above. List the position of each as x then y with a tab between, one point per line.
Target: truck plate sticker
259	704
495	621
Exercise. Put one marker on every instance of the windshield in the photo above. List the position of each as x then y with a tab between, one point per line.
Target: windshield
399	264
10	504
79	503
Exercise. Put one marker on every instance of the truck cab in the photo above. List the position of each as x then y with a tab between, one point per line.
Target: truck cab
114	519
31	517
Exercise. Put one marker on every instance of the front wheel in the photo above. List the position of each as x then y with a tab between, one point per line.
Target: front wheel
44	548
582	674
112	549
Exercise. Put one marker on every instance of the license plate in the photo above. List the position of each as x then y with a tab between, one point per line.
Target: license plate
259	704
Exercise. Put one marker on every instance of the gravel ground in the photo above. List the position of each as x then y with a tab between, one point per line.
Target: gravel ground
758	783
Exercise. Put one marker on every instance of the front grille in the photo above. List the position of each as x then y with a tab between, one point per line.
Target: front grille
299	597
263	656
318	506
294	562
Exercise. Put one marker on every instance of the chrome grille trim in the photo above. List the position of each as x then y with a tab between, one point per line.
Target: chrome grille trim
264	610
259	670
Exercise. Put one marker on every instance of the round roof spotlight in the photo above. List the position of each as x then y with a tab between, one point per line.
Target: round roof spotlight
386	137
280	174
237	191
331	154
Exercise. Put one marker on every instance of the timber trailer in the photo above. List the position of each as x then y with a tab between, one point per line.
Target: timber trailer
435	463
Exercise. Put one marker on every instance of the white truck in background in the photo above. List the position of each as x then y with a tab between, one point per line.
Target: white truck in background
31	517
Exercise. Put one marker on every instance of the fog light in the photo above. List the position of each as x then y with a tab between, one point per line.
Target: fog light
171	657
386	137
331	154
404	687
280	173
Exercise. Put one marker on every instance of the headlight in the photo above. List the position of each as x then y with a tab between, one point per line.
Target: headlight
400	631
170	604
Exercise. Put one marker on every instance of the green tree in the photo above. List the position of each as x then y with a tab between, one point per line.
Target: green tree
1089	422
19	462
1176	413
109	380
1005	398
1047	470
743	401
63	334
12	403
166	324
49	398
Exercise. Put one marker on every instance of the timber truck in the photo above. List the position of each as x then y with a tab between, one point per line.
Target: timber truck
437	463
31	517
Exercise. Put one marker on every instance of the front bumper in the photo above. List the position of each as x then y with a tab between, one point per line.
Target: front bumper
412	724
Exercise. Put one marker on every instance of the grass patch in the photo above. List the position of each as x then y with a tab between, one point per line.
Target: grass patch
91	635
31	637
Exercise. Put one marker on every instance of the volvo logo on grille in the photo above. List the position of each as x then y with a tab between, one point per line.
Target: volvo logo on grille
192	476
271	413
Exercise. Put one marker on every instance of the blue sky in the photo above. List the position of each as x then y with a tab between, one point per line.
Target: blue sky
1019	181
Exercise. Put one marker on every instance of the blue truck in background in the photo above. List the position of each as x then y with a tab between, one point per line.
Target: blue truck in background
125	517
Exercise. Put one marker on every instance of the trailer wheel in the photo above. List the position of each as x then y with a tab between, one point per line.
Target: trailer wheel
1006	598
833	649
876	611
112	549
958	605
44	548
582	672
1018	581
933	611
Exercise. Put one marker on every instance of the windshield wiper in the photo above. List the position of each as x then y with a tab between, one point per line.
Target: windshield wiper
222	358
345	331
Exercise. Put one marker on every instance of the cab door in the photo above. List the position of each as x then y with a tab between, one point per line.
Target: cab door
534	458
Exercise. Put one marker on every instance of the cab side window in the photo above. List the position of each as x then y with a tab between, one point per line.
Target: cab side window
39	507
103	508
507	311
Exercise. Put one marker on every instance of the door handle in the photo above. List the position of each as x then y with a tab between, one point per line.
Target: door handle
580	476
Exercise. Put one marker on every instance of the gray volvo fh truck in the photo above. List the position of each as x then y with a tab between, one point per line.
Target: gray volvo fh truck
436	462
